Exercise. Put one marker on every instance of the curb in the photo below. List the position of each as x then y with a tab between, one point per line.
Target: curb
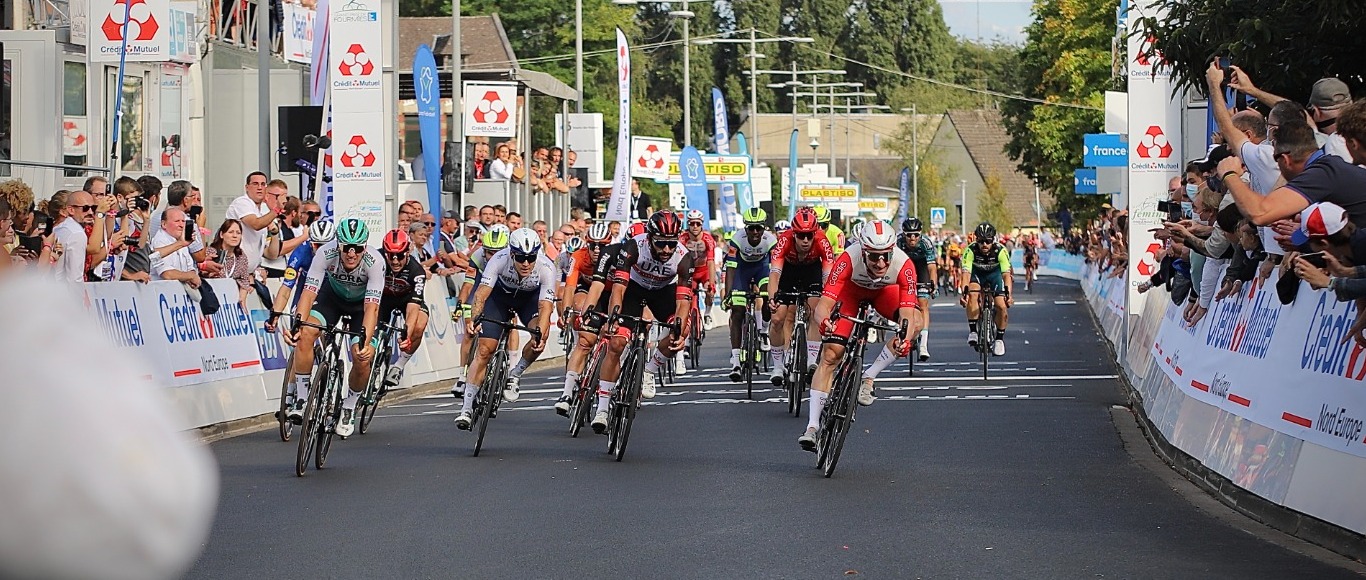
1313	530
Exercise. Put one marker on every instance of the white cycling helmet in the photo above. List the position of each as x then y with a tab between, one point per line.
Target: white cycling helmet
599	232
781	226
876	236
573	244
695	215
525	242
322	231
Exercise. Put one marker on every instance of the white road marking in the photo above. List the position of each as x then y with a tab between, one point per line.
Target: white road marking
1064	302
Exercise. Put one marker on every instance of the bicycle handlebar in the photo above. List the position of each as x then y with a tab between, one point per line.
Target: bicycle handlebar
835	316
798	295
535	332
333	330
617	316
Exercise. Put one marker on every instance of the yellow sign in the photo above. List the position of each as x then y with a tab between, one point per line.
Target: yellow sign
715	169
876	205
828	193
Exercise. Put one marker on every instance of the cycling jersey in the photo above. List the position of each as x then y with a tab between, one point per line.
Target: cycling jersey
922	252
701	248
636	262
579	271
405	285
988	266
299	261
851	284
785	251
741	250
501	274
835	236
364	283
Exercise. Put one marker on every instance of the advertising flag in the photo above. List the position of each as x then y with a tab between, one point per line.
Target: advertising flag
428	92
904	201
729	215
694	181
744	191
619	206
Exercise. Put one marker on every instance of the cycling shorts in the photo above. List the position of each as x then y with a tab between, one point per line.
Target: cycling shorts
502	306
886	301
922	276
662	303
583	285
992	280
800	277
747	274
331	308
386	307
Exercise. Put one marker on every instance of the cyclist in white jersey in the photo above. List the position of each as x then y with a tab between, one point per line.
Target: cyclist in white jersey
345	279
519	281
747	267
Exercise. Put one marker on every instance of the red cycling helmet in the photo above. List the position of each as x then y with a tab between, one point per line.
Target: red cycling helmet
665	224
395	242
805	221
637	229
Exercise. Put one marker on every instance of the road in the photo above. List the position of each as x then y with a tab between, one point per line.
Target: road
946	476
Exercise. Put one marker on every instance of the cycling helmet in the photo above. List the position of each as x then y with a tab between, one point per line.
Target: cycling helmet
395	242
597	233
352	231
636	229
695	215
855	225
322	231
525	242
496	238
664	224
754	216
912	225
804	221
782	226
876	236
822	215
985	231
573	244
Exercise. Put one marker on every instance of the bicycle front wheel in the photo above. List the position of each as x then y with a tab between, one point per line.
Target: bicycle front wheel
495	378
987	339
308	431
331	417
286	384
842	419
749	345
798	378
374	391
630	399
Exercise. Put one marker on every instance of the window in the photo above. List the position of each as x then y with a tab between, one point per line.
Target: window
132	133
412	138
75	124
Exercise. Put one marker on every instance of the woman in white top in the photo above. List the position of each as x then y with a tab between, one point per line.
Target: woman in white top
502	166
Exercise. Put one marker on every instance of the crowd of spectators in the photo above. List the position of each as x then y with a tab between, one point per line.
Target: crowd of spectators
1279	198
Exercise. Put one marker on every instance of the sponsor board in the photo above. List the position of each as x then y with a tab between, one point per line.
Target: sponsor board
828	193
159	322
490	109
650	157
148	28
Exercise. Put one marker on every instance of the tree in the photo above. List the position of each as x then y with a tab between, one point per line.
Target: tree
1066	64
1284	46
991	207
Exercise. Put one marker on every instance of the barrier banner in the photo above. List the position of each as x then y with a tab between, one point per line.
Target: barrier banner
300	25
1284	367
160	323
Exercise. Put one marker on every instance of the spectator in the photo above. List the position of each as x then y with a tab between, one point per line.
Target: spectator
178	265
293	224
96	185
429	224
486	216
514	221
256	217
579	195
578	220
1326	100
226	253
420	235
469	239
446	252
1244	133
1312	176
481	166
151	189
640	203
1352	128
19	198
406	215
500	214
471	212
68	210
540	227
502	166
1343	250
181	194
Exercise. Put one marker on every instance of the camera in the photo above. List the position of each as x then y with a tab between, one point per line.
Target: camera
141	203
195	210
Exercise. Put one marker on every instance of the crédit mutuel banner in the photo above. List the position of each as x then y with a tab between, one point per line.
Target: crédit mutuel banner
1154	146
360	149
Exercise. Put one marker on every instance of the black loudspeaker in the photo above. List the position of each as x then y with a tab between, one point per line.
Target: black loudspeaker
295	124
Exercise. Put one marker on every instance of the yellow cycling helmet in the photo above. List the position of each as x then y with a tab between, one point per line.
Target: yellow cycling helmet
755	216
496	238
822	215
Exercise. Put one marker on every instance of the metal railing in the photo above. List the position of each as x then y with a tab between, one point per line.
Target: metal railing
47	178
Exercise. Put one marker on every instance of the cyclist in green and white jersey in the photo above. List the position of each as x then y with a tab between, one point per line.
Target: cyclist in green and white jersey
987	263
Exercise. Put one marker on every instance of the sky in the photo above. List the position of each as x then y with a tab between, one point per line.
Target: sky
1000	19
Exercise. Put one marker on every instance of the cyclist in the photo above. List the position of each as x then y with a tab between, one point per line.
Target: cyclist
518	281
806	258
702	245
354	276
321	232
781	226
987	263
956	260
920	250
871	270
492	242
747	264
833	233
404	282
645	270
1031	258
583	264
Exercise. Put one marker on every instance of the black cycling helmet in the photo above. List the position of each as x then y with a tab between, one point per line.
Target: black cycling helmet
912	225
985	231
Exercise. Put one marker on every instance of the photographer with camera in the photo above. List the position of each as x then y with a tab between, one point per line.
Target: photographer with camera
178	265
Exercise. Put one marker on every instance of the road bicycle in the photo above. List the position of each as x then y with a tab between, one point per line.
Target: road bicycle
626	398
837	416
751	353
914	355
323	410
696	333
986	324
585	397
287	399
797	374
490	393
389	334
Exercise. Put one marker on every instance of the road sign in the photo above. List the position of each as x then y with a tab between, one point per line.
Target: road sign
1104	150
1084	181
827	192
717	168
650	157
880	207
938	216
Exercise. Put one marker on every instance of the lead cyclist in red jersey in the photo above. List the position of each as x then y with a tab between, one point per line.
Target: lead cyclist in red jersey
800	262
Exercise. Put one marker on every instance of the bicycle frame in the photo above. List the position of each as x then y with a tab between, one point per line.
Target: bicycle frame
490	393
796	345
323	409
389	333
837	416
626	397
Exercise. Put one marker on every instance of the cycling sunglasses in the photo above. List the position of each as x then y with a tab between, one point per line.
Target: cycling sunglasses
394	257
353	249
597	245
754	228
525	258
878	256
804	236
665	244
313	214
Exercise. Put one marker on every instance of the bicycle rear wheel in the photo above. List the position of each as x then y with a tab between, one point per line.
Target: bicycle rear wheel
374	391
987	338
626	406
798	379
694	338
494	380
749	344
286	426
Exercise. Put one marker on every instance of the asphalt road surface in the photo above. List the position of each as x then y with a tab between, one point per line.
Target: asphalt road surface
946	476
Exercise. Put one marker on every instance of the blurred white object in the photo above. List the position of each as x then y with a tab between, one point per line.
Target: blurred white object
97	478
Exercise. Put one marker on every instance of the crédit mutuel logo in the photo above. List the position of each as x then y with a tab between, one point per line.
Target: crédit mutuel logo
355	11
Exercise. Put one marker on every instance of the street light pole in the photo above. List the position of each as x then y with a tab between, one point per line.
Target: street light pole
963	206
687	81
754	96
578	57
